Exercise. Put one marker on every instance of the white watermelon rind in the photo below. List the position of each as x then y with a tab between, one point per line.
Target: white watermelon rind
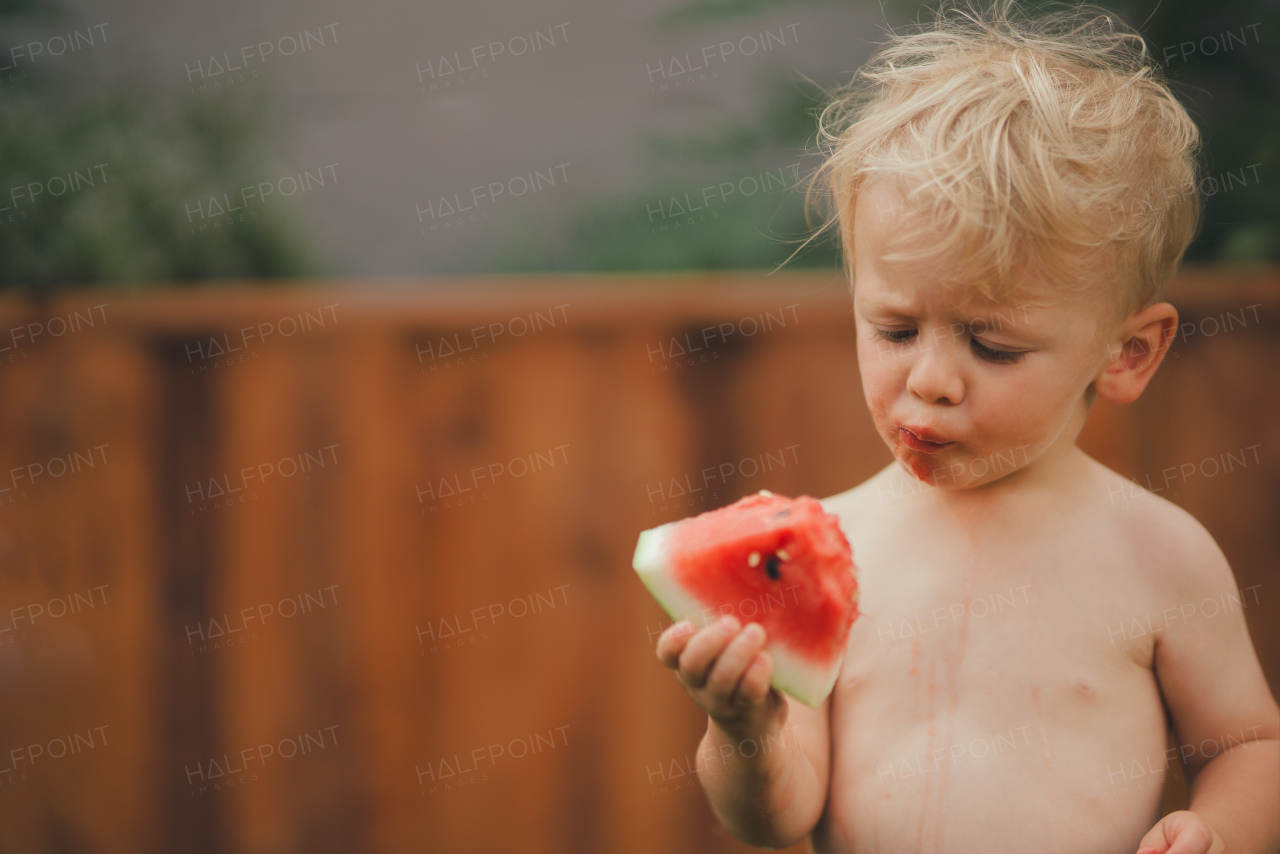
807	682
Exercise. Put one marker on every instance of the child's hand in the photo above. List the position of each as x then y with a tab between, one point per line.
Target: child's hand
727	673
1182	832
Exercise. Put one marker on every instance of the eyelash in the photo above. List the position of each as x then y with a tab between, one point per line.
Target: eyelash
1000	357
1003	357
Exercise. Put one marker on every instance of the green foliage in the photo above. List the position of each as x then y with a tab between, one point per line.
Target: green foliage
114	167
130	224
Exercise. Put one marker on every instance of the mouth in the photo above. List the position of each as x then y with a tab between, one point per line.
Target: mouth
922	440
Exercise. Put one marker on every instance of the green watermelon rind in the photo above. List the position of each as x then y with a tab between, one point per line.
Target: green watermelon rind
808	683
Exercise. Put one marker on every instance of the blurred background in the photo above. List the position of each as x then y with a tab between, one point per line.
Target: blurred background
345	349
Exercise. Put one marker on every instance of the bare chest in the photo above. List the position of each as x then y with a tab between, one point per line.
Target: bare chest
987	676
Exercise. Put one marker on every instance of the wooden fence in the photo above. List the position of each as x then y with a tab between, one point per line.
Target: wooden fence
346	566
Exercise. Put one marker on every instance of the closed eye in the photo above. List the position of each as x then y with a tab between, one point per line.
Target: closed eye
991	354
896	336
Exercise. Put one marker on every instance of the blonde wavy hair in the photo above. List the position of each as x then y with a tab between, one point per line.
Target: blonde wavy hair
1049	143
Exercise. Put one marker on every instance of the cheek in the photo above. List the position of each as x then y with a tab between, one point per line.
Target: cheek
880	380
1032	407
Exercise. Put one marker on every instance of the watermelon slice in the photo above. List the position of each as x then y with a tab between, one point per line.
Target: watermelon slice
781	562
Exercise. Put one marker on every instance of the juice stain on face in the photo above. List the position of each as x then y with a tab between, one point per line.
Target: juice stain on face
921	466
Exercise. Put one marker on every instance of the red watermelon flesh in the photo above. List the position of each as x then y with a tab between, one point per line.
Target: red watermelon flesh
781	562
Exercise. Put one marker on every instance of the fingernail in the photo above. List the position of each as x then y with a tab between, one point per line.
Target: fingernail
731	623
754	631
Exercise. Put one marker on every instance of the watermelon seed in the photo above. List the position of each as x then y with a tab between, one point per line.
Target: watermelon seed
753	559
766	493
783	555
771	567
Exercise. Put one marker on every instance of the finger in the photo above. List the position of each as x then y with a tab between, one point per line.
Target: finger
754	686
1154	842
703	649
1190	836
1180	832
727	671
672	642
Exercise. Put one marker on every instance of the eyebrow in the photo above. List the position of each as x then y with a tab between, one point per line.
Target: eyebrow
1012	319
893	304
1006	316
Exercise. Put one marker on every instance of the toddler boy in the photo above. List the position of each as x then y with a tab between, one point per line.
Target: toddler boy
1012	196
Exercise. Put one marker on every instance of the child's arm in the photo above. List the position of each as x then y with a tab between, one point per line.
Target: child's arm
765	758
1227	721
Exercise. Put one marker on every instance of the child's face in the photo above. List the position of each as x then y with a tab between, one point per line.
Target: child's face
965	390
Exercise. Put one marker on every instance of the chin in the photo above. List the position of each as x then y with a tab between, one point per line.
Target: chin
924	468
952	470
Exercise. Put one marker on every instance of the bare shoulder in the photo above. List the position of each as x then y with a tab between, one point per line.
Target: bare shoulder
861	504
1161	539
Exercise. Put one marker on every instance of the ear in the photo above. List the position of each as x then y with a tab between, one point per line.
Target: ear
1136	351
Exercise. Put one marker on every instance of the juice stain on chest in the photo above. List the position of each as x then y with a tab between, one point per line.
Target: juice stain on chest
934	803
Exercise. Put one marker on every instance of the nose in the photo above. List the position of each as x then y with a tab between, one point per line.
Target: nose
934	377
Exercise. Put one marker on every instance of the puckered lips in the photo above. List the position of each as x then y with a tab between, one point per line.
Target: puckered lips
923	440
